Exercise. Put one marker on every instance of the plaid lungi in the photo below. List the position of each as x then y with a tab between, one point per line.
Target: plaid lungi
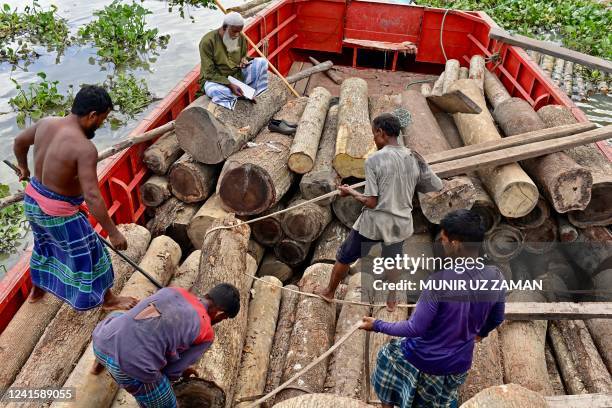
399	383
68	258
255	75
148	395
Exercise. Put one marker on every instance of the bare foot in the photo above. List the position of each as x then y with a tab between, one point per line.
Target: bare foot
35	294
325	293
113	302
97	368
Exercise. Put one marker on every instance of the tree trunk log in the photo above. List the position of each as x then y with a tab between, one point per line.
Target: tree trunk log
438	85
256	250
191	181
322	401
155	191
567	232
504	242
263	313
535	218
601	332
591	249
172	218
271	266
305	144
477	70
211	133
323	178
464	73
510	187
312	335
320	67
292	252
305	223
329	242
331	73
484	205
449	129
247	6
347	210
177	230
67	336
487	369
354	142
346	366
554	375
451	74
268	231
160	155
567	367
541	239
494	89
224	259
256	178
203	219
506	396
282	336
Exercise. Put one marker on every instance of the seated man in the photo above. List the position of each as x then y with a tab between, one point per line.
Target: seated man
156	341
223	53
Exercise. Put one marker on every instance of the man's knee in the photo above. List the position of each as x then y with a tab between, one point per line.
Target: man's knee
260	63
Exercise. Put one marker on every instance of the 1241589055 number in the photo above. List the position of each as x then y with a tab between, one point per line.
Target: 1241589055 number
24	394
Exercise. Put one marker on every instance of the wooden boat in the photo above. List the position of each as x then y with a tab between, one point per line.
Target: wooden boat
380	41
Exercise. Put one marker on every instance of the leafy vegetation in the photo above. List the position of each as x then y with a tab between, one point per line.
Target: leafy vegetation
21	31
130	96
121	35
11	225
183	6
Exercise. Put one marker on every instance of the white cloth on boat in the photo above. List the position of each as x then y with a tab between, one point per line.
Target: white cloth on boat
255	75
233	19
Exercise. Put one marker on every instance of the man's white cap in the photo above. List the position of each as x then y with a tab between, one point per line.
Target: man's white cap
233	19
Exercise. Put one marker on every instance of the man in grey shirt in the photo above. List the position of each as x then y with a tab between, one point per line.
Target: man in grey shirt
393	174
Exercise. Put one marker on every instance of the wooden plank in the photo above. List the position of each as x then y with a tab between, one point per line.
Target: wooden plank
517	140
558	310
580	401
406	46
518	153
551	49
454	102
331	73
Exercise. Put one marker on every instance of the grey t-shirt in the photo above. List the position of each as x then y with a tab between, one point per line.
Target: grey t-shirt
393	174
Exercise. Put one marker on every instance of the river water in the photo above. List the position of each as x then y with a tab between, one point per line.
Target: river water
171	65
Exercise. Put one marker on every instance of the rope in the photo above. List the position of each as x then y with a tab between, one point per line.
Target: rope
441	32
322	357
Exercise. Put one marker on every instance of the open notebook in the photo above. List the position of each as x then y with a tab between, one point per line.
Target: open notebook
247	91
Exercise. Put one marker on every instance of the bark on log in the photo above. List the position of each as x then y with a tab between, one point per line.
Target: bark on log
331	73
155	191
280	345
598	212
494	89
346	365
512	190
263	313
477	70
591	249
271	266
224	259
160	155
268	231
601	333
323	178
484	205
203	219
256	178
567	232
535	218
305	144
504	242
322	401
246	6
449	129
464	73
486	371
320	67
67	336
451	74
191	181
354	142
541	239
172	218
553	372
506	396
256	250
329	242
305	223
211	133
347	210
177	230
312	335
292	252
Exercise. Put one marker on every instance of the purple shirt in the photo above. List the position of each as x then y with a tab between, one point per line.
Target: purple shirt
148	348
439	336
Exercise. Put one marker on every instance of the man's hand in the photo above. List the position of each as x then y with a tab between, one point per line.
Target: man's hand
190	372
345	190
24	173
235	89
367	323
244	62
118	240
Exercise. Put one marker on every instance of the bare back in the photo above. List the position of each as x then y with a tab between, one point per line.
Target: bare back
58	146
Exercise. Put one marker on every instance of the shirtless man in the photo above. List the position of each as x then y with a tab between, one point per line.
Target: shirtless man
68	258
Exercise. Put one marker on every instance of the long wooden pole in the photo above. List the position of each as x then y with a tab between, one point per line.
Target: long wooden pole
252	44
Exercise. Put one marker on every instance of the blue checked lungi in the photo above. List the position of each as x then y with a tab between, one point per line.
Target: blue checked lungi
148	395
255	75
399	383
68	259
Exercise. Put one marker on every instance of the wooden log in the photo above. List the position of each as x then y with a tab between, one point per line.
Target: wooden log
211	133
256	250
506	396
191	181
160	155
449	129
579	401
322	401
135	139
541	239
591	249
166	214
438	85
477	70
557	310
312	335
323	178
307	222
305	144
512	190
347	210
494	89
535	218
67	336
292	252
280	344
464	73
263	313
346	366
567	232
484	206
601	330
224	259
329	242
247	6
504	242
451	74
553	372
567	366
354	142
271	266
155	191
256	178
268	231
177	230
321	67
331	73
486	370
203	219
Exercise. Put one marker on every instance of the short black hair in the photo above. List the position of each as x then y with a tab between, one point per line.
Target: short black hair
91	98
388	123
226	297
464	225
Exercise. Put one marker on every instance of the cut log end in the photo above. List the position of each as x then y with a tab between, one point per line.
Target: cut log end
518	199
348	166
300	163
291	252
197	393
247	190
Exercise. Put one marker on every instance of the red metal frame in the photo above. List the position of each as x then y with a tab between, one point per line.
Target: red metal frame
316	25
